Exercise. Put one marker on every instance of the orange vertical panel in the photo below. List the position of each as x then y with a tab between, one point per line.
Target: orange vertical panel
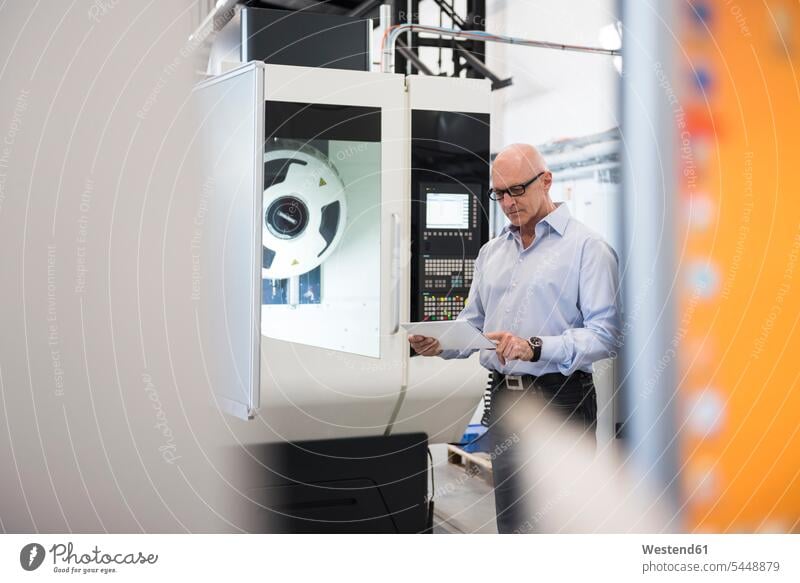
737	75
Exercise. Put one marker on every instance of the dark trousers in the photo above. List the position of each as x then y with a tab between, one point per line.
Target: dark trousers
573	398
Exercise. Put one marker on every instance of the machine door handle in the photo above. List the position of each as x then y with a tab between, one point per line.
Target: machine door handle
395	274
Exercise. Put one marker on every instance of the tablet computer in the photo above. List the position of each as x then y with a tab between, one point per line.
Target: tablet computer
451	334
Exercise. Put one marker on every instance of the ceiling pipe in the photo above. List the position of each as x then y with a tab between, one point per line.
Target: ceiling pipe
390	40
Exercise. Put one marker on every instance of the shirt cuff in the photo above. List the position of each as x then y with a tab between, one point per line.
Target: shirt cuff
554	350
448	354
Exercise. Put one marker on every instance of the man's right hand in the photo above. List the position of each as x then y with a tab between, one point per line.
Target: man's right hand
425	345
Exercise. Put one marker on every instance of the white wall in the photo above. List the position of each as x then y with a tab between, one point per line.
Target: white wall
555	94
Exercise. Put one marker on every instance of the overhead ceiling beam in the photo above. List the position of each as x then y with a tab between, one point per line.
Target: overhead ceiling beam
412	56
480	67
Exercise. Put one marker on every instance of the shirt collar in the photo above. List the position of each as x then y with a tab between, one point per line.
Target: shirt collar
557	219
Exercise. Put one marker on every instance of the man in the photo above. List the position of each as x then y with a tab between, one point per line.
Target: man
545	290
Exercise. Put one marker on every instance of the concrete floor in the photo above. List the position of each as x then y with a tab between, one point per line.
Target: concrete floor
463	503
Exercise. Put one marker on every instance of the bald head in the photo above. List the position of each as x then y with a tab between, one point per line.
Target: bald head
517	164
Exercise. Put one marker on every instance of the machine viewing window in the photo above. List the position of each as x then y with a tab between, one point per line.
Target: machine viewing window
276	291
447	211
321	227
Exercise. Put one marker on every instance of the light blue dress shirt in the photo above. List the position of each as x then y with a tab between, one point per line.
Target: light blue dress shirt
563	288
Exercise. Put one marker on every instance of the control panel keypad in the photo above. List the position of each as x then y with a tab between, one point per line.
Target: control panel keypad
442	307
446	285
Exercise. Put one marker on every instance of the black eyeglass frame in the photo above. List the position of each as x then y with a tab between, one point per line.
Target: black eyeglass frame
516	190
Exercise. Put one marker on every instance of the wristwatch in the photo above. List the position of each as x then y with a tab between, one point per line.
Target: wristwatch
536	346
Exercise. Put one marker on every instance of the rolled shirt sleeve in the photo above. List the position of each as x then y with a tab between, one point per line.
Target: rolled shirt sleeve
578	348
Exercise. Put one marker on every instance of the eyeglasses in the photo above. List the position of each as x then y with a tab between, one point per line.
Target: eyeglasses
513	191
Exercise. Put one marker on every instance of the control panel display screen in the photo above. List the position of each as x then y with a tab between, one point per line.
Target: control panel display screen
447	211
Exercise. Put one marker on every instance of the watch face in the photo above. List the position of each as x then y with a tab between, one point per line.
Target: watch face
536	347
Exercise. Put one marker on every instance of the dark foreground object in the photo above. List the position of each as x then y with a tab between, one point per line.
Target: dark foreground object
357	485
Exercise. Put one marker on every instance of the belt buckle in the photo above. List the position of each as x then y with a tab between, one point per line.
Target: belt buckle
514	383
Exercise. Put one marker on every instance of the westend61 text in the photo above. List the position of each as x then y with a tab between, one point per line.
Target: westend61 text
672	550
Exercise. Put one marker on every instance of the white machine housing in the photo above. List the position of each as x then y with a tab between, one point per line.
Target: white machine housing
341	367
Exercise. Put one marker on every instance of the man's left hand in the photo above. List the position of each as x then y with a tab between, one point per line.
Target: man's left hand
510	347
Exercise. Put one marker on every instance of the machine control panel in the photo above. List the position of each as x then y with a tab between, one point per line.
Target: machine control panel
449	209
450	238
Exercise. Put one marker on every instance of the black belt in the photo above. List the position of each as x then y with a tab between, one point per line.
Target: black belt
547	384
521	382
